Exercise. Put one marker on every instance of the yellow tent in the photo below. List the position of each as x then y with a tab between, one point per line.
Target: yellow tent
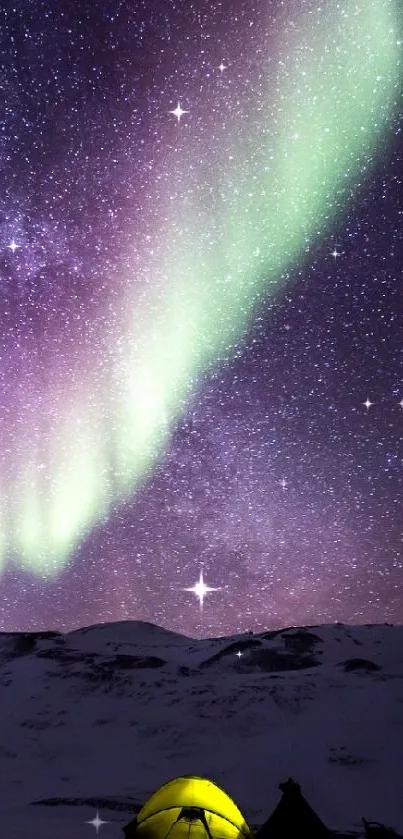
189	808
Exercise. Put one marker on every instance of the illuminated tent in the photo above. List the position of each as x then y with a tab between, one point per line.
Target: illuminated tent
190	807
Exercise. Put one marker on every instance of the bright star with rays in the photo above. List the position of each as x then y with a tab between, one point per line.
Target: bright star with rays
239	654
222	67
336	253
368	403
97	822
13	246
200	590
178	112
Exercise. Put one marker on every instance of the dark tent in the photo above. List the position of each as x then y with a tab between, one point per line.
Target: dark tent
293	817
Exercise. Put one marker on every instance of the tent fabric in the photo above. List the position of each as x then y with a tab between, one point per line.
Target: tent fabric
191	807
293	816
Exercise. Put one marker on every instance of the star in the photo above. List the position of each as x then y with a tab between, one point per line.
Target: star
239	654
368	403
283	483
97	822
222	67
401	403
178	112
13	246
335	253
199	589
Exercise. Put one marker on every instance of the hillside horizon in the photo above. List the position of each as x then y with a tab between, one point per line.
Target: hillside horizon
101	716
131	621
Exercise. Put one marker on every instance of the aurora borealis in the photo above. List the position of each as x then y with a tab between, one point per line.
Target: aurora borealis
195	308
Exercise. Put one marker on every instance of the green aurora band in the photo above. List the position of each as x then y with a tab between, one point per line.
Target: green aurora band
336	96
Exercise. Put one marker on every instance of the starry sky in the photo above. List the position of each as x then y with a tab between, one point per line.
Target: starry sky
201	313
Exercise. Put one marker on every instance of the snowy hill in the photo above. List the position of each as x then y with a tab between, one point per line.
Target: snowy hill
100	717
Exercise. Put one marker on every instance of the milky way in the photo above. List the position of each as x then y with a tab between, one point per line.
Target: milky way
201	363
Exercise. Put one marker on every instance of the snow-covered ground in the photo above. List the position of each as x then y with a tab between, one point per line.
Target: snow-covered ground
100	717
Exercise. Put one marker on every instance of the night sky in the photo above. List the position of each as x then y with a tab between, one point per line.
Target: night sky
201	313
